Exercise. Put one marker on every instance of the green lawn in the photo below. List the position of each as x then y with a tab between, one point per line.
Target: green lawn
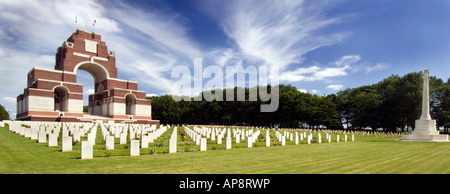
366	155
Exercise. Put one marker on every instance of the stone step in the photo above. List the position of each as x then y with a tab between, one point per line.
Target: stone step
425	138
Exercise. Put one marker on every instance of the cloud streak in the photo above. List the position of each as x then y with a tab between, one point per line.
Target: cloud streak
315	73
277	33
335	87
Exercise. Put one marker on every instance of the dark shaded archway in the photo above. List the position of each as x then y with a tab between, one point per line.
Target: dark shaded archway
130	102
61	98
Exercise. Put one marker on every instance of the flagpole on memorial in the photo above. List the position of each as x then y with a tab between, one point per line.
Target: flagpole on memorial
93	25
76	22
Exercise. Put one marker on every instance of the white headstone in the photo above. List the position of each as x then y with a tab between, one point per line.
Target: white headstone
249	141
345	138
34	132
91	138
238	138
42	137
228	143
320	138
172	146
219	139
109	142
296	138
66	144
202	144
52	140
267	139
65	132
337	138
151	137
132	135
144	141
197	139
123	138
283	140
76	135
353	137
87	150
309	139
27	132
134	148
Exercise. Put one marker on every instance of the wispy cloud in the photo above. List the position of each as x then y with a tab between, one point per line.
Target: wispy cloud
315	73
377	67
277	33
335	87
347	60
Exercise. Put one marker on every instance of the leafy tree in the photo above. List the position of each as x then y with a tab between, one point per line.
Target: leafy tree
327	113
393	103
441	108
4	115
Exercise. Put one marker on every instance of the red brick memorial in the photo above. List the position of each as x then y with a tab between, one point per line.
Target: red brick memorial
55	95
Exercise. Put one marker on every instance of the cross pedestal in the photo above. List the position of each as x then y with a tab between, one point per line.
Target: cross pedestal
425	129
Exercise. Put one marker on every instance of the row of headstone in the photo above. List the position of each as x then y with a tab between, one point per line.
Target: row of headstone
282	137
48	132
217	134
87	146
197	137
36	130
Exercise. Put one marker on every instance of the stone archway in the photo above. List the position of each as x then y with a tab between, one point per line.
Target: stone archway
96	102
130	102
61	99
95	69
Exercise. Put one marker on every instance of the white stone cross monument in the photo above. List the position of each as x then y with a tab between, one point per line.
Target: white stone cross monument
425	129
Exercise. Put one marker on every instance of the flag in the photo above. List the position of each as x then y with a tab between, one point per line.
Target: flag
93	24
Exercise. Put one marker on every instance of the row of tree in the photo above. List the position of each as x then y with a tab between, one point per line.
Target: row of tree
392	104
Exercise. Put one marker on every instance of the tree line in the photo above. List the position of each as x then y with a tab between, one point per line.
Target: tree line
391	105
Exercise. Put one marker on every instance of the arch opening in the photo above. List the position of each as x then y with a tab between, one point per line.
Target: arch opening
96	70
93	92
130	102
61	99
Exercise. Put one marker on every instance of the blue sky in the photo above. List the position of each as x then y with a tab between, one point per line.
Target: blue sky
321	46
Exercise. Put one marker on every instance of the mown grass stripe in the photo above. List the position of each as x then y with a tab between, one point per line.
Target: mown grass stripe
366	155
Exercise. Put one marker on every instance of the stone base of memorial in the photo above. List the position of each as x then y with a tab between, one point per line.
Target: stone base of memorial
425	128
425	131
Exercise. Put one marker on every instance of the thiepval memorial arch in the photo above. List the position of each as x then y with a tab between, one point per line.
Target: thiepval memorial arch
55	95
